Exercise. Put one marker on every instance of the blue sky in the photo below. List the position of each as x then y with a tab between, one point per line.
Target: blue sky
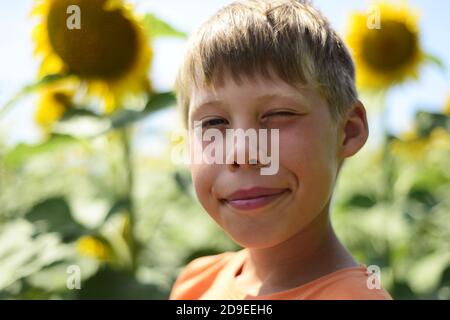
17	66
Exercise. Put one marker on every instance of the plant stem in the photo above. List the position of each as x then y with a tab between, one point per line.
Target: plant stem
388	164
128	158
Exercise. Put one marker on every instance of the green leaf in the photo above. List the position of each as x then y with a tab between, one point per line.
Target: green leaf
160	101
155	103
424	276
21	152
423	195
435	60
361	201
79	112
53	278
54	215
24	252
48	79
184	182
158	28
115	284
402	290
126	117
427	121
119	206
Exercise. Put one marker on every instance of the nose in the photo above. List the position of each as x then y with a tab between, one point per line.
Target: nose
251	164
243	155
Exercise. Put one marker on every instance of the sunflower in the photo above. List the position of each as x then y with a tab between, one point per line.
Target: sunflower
447	106
387	55
93	247
411	146
52	105
109	52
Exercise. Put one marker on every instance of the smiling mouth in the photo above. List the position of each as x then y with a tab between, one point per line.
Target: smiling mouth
254	202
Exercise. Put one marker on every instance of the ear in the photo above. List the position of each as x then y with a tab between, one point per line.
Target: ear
354	131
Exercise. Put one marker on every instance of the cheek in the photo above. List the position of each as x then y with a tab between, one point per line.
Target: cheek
300	148
308	153
203	178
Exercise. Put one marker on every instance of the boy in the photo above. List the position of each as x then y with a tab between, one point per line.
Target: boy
273	64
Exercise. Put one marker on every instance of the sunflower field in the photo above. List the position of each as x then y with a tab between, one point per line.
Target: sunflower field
85	214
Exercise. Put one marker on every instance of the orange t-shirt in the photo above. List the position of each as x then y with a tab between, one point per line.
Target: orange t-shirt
213	278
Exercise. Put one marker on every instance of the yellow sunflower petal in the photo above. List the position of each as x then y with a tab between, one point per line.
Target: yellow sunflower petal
447	106
92	247
51	107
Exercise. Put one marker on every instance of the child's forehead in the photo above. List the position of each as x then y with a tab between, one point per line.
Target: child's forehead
255	88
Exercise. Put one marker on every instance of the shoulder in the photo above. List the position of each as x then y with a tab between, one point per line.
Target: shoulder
198	275
204	264
354	284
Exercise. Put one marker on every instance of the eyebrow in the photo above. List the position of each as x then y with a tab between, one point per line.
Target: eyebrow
265	97
203	105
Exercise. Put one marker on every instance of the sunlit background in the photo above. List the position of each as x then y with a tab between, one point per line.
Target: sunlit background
86	177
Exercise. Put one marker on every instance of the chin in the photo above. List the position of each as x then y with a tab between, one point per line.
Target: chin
257	240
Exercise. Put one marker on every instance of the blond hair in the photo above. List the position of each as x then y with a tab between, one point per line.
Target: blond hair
252	37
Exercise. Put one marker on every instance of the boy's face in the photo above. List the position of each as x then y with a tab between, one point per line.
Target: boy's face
309	156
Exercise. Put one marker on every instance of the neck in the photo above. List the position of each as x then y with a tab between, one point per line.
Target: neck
309	254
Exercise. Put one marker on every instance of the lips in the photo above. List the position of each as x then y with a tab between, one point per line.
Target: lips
253	198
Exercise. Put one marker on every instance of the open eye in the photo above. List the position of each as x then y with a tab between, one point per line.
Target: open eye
213	122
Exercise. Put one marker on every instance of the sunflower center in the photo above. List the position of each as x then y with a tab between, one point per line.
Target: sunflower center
390	47
105	46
